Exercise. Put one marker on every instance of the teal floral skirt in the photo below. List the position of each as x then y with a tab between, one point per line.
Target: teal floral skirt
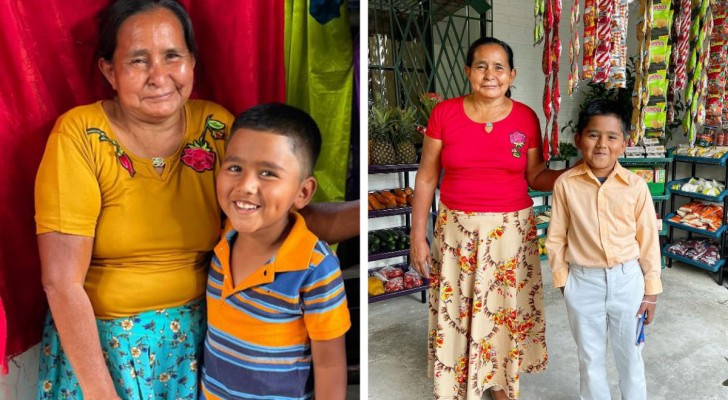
152	355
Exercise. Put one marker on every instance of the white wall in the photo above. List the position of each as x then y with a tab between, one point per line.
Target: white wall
20	382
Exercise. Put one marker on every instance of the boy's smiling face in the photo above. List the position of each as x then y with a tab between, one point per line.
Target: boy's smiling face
601	142
260	180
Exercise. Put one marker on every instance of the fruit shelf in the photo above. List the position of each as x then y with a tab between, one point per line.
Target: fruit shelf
387	168
388	254
403	267
390	212
400	252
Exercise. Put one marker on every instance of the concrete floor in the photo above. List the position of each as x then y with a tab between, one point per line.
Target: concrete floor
686	352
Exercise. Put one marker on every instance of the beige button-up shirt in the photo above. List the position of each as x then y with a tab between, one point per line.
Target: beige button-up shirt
601	225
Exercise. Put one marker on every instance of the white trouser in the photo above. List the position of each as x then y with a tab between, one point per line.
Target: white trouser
603	302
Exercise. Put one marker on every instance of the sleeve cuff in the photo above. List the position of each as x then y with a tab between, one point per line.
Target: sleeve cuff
560	276
653	286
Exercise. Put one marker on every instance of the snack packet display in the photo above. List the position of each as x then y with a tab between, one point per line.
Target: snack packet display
590	38
604	40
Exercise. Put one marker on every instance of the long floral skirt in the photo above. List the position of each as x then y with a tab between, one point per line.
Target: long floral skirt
152	355
486	321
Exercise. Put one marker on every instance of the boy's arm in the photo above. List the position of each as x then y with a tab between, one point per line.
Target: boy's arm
327	319
556	239
329	368
649	242
333	222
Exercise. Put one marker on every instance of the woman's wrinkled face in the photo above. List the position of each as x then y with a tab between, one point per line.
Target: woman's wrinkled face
152	69
490	75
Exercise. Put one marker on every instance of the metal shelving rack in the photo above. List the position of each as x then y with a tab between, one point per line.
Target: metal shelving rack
718	268
403	170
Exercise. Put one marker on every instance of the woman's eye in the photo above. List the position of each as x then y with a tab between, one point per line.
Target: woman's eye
234	168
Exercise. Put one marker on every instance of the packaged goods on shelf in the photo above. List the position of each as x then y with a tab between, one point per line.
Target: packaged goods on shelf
704	152
634	152
647	174
704	250
701	186
700	215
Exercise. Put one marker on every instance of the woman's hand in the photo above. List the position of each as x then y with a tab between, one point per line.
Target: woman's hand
420	256
649	303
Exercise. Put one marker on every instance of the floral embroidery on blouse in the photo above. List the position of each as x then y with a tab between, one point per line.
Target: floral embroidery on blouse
118	151
198	155
517	139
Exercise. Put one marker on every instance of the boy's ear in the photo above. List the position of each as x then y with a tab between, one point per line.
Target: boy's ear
305	193
577	140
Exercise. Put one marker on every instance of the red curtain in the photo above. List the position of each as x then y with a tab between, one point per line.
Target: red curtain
46	48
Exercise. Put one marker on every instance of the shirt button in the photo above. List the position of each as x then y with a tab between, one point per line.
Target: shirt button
265	272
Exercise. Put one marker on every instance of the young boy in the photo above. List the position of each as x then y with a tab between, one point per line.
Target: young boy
275	296
604	252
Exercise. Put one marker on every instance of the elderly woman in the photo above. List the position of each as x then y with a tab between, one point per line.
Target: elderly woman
126	217
486	302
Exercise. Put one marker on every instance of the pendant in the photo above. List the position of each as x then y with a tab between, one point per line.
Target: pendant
158	162
488	127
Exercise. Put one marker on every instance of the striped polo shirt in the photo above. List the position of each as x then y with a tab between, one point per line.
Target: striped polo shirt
258	343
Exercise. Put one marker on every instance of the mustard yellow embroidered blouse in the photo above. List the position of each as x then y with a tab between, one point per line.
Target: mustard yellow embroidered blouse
152	233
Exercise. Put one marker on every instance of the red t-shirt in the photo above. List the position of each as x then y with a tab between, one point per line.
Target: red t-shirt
484	172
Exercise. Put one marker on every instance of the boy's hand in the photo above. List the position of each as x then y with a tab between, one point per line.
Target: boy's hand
649	302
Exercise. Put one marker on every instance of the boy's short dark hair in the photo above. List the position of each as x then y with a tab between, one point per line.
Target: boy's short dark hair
288	121
601	107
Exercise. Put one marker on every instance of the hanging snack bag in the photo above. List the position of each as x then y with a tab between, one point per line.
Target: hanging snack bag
654	119
590	38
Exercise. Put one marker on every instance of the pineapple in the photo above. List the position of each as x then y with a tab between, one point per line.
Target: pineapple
381	121
403	136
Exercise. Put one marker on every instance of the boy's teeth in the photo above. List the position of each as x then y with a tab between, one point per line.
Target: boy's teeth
246	206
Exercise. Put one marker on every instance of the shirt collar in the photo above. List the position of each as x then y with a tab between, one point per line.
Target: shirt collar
619	171
294	254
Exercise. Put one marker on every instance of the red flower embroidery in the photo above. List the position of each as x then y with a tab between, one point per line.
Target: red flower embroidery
126	163
198	156
118	151
517	139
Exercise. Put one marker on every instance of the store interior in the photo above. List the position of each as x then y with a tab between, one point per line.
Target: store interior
676	94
